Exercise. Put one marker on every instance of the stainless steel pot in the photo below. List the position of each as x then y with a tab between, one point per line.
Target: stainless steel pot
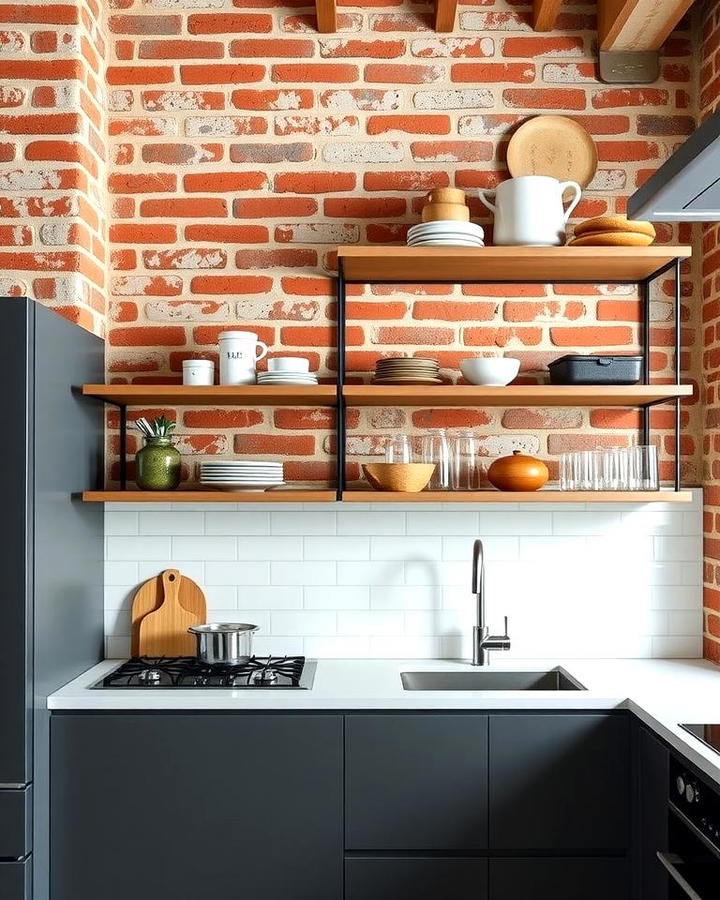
224	644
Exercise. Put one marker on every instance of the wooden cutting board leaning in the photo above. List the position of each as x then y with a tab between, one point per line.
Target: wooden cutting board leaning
165	636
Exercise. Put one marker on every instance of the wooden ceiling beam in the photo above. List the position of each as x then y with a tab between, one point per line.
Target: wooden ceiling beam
545	13
326	16
445	15
638	25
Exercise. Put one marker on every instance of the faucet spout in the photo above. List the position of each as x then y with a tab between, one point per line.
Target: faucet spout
483	641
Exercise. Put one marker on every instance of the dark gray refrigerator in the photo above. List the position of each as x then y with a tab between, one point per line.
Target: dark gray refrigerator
51	563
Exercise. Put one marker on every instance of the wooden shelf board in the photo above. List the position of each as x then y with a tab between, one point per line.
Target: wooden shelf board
217	395
490	496
289	495
601	265
512	395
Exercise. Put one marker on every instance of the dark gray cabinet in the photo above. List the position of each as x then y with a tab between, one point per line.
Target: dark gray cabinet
569	878
416	782
15	880
228	805
413	878
559	782
653	763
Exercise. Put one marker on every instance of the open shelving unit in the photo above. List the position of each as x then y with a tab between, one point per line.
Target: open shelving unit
448	265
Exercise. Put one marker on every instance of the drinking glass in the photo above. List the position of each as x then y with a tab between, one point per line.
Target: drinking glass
567	472
465	462
436	449
644	468
398	449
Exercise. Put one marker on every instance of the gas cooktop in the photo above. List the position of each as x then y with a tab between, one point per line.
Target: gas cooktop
708	734
260	672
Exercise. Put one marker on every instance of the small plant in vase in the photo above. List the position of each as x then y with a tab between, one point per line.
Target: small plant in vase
158	463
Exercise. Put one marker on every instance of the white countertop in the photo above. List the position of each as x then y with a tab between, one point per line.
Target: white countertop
662	692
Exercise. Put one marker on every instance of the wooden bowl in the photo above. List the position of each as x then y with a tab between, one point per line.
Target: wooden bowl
408	478
518	473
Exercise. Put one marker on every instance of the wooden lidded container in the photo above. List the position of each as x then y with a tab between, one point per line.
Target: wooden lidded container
446	204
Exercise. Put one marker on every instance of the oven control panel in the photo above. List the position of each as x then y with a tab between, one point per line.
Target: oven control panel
696	800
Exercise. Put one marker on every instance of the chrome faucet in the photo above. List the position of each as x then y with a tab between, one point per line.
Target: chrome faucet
483	641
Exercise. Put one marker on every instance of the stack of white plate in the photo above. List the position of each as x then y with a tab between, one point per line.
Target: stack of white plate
446	234
286	378
242	474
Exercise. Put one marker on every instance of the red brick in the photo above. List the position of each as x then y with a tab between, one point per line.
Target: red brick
523	311
231	234
455	151
314	182
273	99
319	336
222	182
7	152
308	287
371	310
123	311
626	151
501	337
184	207
167	100
570	443
229	23
140	184
43	13
413	334
542	419
410	124
454	311
364	207
53	123
139	75
128	24
230	284
271	48
313	419
143	234
450	418
181	154
275	444
43	42
544	98
339	73
269	259
624	97
619	311
344	47
188	257
234	73
148	336
222	418
272	207
592	336
15	235
404	181
542	46
486	73
180	49
400	73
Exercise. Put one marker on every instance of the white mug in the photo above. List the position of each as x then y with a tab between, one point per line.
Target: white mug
198	371
529	210
239	352
288	364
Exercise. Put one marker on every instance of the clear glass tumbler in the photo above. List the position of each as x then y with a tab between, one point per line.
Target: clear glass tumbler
567	472
465	462
398	449
436	449
644	468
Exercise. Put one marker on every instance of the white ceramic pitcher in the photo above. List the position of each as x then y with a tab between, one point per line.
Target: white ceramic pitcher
239	351
529	210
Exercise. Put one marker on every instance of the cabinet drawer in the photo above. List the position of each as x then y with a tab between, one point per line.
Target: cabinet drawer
416	782
15	823
559	782
559	879
15	880
407	878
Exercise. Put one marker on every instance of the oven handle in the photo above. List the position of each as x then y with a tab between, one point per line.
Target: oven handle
670	861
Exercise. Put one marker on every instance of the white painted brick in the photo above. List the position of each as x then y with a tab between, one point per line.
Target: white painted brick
371	522
685	624
121	572
172	523
406	548
338	647
339	547
220	597
683	647
259	617
117	622
121	522
678	548
456	549
370	622
421	596
205	547
676	597
117	647
405	647
278	645
370	573
656	522
272	597
118	596
337	597
304	622
302	573
303	522
138	548
240	574
284	548
581	523
432	523
240	523
515	523
373	153
190	569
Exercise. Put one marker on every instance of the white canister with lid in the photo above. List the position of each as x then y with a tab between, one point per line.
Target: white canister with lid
198	371
239	352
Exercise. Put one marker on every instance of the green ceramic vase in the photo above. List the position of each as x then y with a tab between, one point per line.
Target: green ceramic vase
157	465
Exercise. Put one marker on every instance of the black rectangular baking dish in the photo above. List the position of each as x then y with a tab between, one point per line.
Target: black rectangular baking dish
579	369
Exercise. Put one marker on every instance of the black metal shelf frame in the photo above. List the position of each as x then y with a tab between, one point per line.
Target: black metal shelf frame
644	287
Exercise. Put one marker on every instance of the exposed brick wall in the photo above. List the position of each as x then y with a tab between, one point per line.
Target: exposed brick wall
709	99
244	146
52	157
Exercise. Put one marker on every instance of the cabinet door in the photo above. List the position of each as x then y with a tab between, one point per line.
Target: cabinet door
15	880
416	782
653	774
559	782
407	878
559	879
228	805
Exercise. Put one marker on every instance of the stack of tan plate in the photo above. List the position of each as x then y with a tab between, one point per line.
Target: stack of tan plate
613	231
407	371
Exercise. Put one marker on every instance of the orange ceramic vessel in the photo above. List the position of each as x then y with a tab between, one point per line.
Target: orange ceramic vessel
518	473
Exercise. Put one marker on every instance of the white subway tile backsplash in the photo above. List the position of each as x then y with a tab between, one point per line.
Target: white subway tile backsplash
576	580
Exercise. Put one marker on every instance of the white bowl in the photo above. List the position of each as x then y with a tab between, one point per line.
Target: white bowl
495	371
294	364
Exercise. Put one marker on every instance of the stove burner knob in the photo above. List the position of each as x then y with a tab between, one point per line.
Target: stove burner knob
150	677
680	784
692	795
265	676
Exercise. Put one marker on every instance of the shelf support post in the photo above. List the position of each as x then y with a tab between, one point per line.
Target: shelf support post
340	417
644	288
678	340
123	447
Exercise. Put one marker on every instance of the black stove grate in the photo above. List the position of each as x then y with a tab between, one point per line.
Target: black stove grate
189	672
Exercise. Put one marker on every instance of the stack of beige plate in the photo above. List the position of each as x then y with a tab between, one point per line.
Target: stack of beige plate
407	371
613	231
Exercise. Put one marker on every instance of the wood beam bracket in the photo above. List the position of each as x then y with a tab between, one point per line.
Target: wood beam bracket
628	66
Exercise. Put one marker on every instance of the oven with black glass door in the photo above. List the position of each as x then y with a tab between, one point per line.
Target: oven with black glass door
693	858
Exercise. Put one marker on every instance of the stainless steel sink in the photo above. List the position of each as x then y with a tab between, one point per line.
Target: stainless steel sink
556	679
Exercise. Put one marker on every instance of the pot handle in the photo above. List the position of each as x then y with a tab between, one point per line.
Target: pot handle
577	190
482	196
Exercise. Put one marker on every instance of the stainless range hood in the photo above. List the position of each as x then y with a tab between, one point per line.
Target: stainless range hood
686	188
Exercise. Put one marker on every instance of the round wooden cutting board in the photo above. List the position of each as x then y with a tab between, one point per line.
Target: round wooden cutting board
554	146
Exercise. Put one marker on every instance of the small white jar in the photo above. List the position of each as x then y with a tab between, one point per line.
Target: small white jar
198	371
